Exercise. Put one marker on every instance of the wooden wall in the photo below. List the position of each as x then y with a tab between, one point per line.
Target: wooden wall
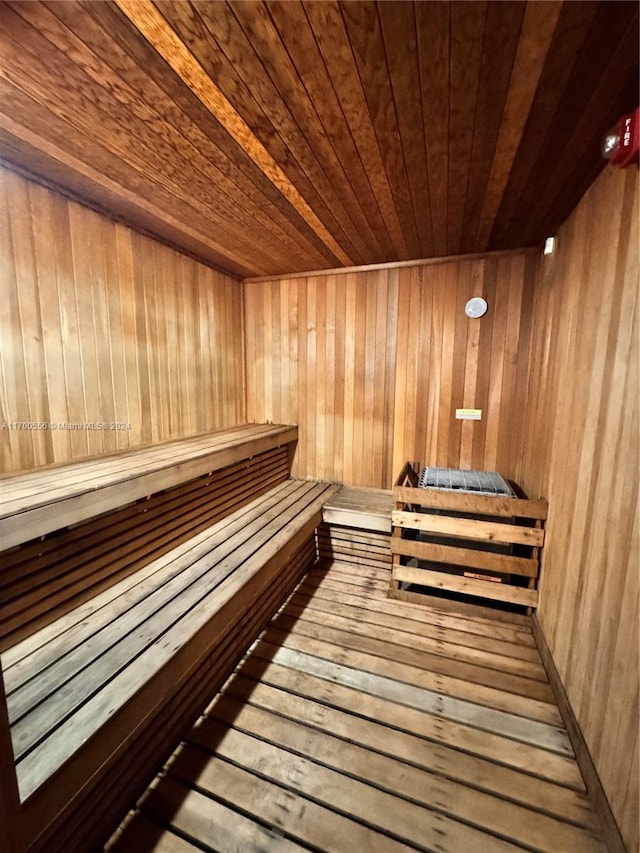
581	452
372	364
100	324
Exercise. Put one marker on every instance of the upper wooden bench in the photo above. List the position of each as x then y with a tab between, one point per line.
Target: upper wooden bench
38	502
109	517
132	586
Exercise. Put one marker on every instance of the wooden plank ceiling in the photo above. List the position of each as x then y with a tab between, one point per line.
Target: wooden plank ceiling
274	137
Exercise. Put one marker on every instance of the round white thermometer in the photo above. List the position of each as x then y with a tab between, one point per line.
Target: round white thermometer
476	307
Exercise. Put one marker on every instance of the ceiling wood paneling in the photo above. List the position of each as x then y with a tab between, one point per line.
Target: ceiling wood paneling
271	137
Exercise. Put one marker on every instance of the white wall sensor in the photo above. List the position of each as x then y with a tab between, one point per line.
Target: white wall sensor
476	307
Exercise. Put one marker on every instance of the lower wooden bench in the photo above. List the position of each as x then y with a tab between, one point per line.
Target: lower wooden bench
98	698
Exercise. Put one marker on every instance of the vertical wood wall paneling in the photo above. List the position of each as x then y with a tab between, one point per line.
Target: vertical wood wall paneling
99	323
372	365
581	452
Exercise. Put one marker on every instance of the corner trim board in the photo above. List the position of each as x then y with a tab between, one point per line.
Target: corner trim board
596	792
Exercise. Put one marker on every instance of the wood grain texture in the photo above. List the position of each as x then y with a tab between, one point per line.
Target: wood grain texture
468	528
327	732
584	459
52	575
156	30
236	573
610	829
466	586
465	557
100	324
463	520
37	502
270	137
467	502
373	364
364	508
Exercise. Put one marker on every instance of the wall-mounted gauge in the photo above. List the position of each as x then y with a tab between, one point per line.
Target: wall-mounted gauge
476	307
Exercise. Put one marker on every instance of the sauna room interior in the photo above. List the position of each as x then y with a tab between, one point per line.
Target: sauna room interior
320	441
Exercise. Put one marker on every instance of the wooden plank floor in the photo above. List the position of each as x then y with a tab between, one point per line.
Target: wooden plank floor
357	723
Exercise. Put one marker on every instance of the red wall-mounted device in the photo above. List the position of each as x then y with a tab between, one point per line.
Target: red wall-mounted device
622	144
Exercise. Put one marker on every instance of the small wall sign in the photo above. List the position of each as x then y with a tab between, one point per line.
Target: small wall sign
468	414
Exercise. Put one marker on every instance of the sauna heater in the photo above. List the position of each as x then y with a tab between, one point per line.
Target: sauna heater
488	483
472	482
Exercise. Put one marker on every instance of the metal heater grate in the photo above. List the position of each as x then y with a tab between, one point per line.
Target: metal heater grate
473	482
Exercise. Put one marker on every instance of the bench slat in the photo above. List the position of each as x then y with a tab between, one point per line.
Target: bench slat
32	556
111	770
360	507
41	580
